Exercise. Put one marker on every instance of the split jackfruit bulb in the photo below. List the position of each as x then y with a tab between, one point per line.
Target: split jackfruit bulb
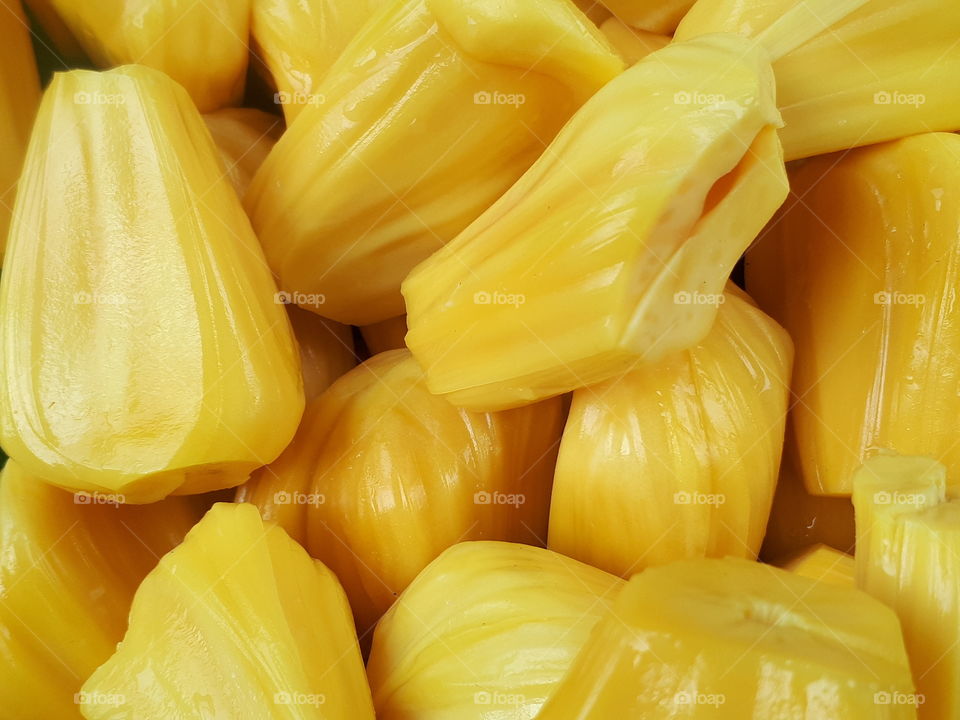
737	640
143	351
430	114
908	556
486	631
888	70
383	476
824	564
861	270
677	459
326	350
300	39
70	565
202	45
19	97
614	246
237	622
243	136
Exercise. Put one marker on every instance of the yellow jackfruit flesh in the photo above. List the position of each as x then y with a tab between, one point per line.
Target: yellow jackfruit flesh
385	335
300	39
737	640
824	564
432	112
243	136
908	556
632	44
68	570
144	352
237	622
861	269
19	97
486	631
613	247
656	16
888	70
201	45
677	459
326	350
383	476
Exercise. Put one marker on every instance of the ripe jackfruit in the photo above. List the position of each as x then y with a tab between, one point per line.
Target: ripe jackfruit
608	250
736	640
861	269
383	476
200	44
143	350
887	70
19	97
326	350
908	556
243	136
486	630
70	565
385	335
434	110
632	44
825	564
237	622
655	16
677	459
300	39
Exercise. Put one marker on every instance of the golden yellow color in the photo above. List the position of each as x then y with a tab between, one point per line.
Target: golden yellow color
799	519
69	567
656	16
824	564
887	70
862	273
737	640
243	136
383	476
143	351
593	9
433	111
677	459
201	45
19	96
613	247
66	47
300	39
632	44
486	631
908	556
385	335
237	622
326	350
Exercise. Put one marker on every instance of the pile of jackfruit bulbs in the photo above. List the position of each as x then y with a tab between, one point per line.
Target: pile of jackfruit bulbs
480	359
